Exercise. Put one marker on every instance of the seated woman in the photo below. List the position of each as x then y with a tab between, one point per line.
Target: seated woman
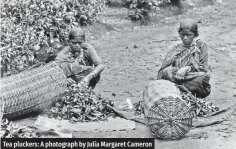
187	63
80	61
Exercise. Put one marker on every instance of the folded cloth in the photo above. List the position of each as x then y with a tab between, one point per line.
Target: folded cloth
65	126
214	118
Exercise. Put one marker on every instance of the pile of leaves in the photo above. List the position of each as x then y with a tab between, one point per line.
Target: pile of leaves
10	130
138	109
79	104
30	28
142	9
200	107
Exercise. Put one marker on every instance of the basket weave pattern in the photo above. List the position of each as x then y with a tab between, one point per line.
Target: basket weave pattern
168	116
32	90
1	110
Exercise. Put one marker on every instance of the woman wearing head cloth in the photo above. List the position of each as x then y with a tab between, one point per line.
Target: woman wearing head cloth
187	63
79	61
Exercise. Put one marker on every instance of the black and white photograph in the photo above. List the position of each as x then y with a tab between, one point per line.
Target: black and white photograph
148	74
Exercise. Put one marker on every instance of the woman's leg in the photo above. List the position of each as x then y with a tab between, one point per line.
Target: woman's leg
168	74
199	86
69	72
80	76
94	82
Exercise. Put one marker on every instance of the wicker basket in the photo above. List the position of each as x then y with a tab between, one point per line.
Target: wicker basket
168	116
1	111
32	90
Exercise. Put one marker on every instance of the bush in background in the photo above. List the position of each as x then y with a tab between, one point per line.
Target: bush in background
143	8
31	29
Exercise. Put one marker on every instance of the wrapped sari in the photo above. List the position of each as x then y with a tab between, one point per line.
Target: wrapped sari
195	56
80	64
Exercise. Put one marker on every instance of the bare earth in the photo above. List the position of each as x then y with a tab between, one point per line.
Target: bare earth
129	69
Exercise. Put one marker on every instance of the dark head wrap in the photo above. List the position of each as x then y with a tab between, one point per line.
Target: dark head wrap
77	33
189	24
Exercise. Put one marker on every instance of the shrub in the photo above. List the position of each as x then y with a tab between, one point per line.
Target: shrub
143	8
29	28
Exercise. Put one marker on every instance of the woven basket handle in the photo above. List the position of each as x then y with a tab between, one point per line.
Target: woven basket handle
36	66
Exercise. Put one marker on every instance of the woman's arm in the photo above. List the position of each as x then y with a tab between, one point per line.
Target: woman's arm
167	62
203	59
97	62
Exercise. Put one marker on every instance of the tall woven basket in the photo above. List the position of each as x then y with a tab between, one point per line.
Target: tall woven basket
32	90
167	115
1	111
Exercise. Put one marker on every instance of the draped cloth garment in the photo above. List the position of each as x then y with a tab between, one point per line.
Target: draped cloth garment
195	56
79	64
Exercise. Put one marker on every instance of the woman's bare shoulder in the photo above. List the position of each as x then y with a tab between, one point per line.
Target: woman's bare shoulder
200	43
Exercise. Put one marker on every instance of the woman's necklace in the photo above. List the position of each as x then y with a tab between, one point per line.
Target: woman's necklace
81	57
78	56
187	46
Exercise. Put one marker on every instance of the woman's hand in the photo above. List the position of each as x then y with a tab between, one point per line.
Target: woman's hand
70	81
180	74
85	81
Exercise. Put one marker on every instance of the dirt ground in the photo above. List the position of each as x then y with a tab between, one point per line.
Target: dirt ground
133	56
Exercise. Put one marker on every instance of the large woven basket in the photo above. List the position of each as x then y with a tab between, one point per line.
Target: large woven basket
32	90
1	111
167	115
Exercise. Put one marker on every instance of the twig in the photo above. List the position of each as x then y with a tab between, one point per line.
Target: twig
164	40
